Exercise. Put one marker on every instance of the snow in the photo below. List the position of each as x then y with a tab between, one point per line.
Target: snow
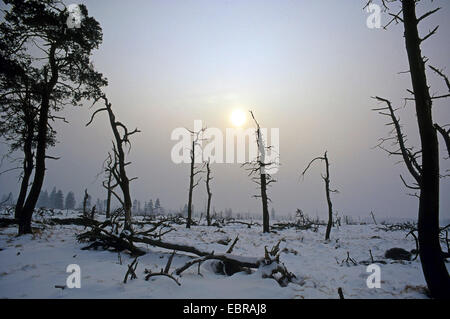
31	265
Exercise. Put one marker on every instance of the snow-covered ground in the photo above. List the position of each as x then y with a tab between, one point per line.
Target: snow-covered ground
31	266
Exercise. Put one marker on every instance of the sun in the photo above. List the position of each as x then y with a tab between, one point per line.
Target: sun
238	118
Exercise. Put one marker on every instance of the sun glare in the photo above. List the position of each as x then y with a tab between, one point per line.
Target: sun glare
238	118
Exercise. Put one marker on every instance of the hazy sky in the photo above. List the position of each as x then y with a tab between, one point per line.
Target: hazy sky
308	68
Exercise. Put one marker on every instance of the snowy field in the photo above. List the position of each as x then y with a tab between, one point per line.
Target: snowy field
31	265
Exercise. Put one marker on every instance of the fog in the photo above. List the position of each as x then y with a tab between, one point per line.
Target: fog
308	68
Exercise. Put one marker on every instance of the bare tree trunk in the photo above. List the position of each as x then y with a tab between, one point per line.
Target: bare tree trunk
85	199
258	168
266	223
373	218
27	170
191	186
119	172
107	184
327	190
433	264
127	203
33	196
208	189
108	196
326	179
124	182
196	141
92	215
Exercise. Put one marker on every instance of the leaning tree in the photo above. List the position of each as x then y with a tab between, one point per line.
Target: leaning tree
18	114
39	31
117	165
422	164
328	191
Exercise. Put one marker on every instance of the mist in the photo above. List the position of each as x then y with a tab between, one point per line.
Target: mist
307	68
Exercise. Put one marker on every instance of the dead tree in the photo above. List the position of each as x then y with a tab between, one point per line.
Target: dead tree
426	172
194	171
121	140
373	218
109	167
102	235
93	211
326	179
85	200
340	293
208	190
258	169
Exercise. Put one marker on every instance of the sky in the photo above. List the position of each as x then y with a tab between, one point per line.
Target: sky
308	68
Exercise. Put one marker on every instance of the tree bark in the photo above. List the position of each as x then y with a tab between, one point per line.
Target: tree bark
28	162
108	196
266	224
191	186
330	205
264	179
119	169
326	178
208	189
27	170
433	265
122	179
85	199
30	203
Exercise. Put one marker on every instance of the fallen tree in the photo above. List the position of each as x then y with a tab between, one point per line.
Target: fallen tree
102	235
249	225
303	222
